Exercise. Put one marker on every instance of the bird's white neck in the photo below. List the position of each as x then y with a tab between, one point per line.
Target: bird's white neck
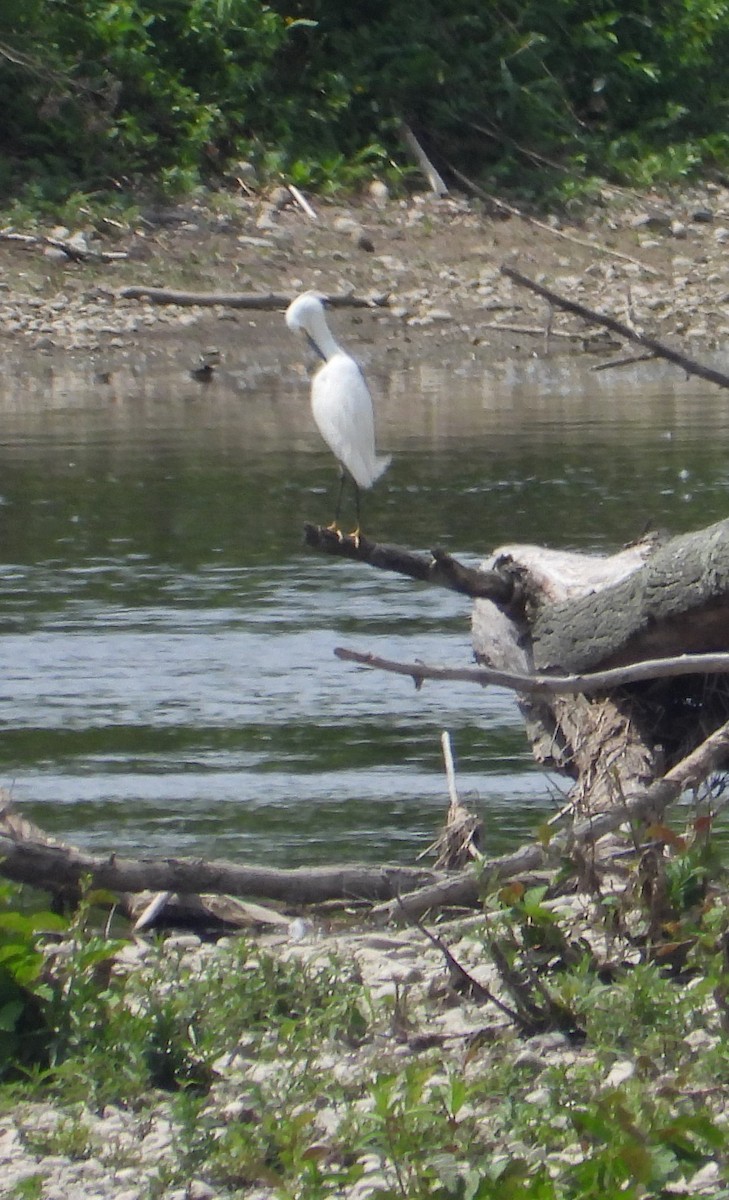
322	338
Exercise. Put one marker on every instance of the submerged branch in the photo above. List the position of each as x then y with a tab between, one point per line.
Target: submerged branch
438	567
660	349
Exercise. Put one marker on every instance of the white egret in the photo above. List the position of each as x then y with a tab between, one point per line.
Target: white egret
341	403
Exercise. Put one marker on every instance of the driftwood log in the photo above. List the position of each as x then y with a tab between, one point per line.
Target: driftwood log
583	633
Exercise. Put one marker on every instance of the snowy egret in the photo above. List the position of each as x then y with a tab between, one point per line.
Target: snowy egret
341	403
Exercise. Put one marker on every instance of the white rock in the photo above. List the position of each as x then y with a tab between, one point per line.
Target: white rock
619	1073
379	192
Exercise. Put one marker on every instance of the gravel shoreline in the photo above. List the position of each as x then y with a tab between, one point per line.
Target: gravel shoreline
660	262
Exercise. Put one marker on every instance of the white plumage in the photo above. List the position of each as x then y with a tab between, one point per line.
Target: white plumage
340	399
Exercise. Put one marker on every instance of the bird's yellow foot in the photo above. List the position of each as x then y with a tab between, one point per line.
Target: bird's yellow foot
334	528
355	536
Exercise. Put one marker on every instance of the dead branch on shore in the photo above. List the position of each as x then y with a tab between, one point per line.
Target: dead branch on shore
548	685
435	181
623	330
261	301
438	567
74	252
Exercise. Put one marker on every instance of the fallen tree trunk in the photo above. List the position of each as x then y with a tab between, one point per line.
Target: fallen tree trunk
61	868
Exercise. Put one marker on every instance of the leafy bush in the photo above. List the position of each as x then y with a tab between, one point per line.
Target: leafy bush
25	999
100	94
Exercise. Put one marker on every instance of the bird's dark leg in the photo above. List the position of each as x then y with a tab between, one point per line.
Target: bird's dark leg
335	523
355	532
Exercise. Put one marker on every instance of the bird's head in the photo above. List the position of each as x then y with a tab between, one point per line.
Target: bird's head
305	315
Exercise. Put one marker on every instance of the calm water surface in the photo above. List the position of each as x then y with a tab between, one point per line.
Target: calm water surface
168	682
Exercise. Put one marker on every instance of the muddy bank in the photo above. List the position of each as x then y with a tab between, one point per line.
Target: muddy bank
659	262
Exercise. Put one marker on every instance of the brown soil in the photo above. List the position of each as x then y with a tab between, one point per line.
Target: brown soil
660	262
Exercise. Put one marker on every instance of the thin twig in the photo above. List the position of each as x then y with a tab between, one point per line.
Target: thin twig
478	990
628	361
512	211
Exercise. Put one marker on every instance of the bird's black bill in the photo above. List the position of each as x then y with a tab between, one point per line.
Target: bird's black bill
314	346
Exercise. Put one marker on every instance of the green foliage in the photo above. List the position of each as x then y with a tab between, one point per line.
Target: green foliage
101	94
25	1023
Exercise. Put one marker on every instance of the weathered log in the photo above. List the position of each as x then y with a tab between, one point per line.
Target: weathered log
60	868
540	613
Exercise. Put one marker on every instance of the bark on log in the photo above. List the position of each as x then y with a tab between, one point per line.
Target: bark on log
677	603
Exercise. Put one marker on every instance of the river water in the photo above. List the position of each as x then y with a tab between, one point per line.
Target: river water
168	683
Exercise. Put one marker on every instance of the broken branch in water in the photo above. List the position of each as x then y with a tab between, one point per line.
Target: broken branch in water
550	685
263	301
437	567
660	349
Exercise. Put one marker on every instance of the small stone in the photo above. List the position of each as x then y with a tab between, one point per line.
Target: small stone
198	1189
345	224
257	243
702	216
245	172
619	1073
279	197
678	229
379	192
652	220
363	241
266	219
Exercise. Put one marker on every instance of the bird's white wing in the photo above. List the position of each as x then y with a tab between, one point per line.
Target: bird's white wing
342	408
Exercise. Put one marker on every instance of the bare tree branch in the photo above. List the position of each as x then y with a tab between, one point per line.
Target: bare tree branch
73	252
437	567
550	685
660	349
509	209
